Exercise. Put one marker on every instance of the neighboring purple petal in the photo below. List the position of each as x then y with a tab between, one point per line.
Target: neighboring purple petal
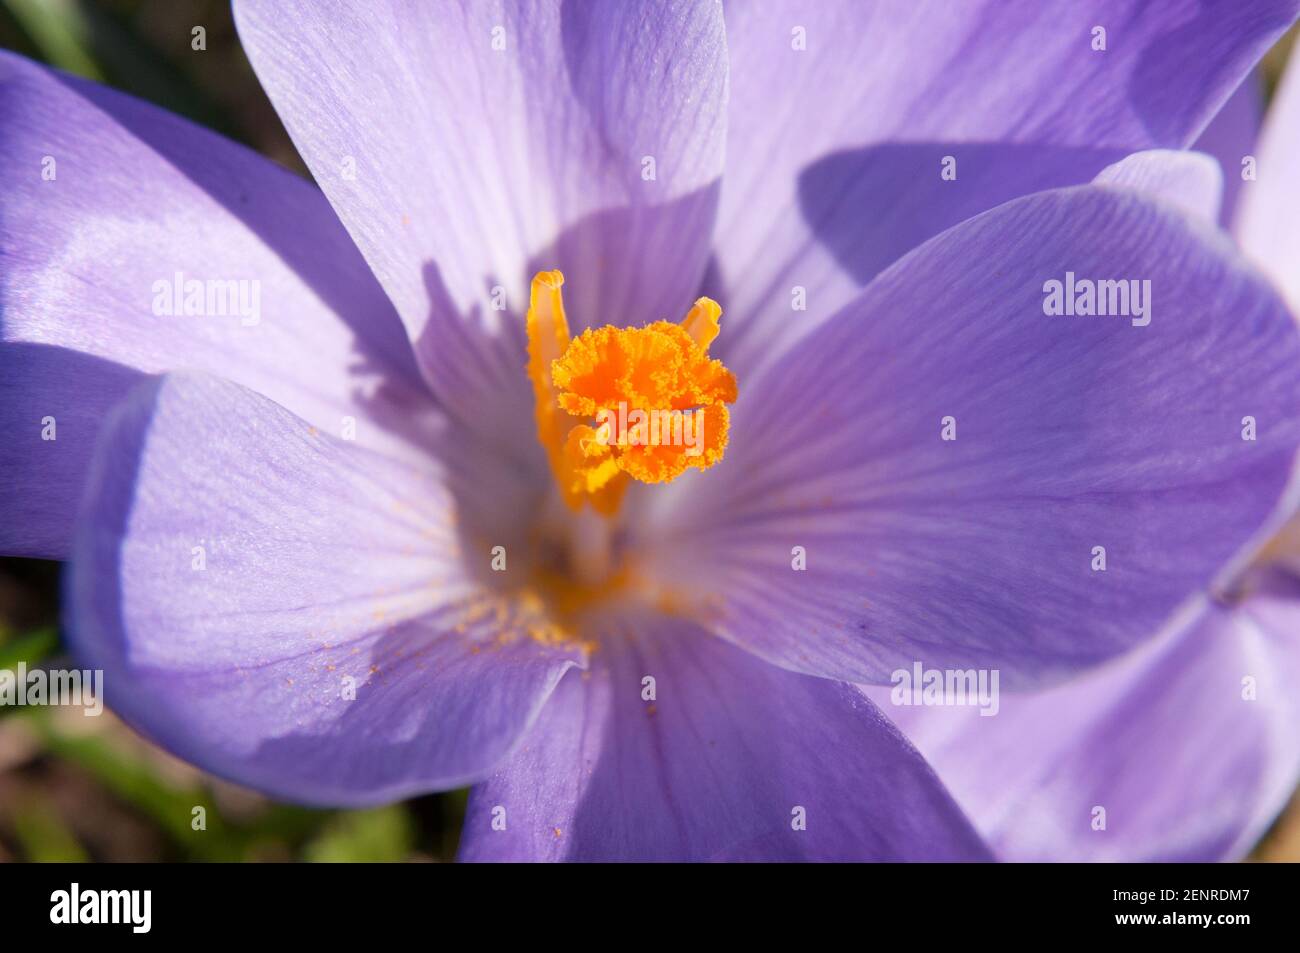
468	145
1070	433
1191	746
289	611
104	196
848	112
723	763
1230	138
1268	219
1190	181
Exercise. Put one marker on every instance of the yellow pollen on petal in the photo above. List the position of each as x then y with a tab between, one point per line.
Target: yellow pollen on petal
613	404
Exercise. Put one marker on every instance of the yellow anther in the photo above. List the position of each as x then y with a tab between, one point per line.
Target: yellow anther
548	338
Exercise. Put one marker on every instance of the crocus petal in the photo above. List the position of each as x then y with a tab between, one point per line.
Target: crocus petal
1068	433
1266	221
1230	138
467	145
287	610
1190	746
108	203
677	746
851	113
1190	181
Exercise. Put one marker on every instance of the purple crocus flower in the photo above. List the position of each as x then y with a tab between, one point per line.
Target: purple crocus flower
328	546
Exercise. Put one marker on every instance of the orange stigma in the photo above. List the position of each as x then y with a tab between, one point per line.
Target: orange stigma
615	404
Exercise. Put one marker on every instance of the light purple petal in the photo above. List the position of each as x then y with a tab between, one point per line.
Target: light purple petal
234	568
1071	433
835	151
1190	181
720	765
1230	138
491	140
104	196
1266	223
1191	746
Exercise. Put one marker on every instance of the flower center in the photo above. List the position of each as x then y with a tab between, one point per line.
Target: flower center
613	405
619	404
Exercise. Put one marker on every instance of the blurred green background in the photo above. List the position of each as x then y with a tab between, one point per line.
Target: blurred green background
78	788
